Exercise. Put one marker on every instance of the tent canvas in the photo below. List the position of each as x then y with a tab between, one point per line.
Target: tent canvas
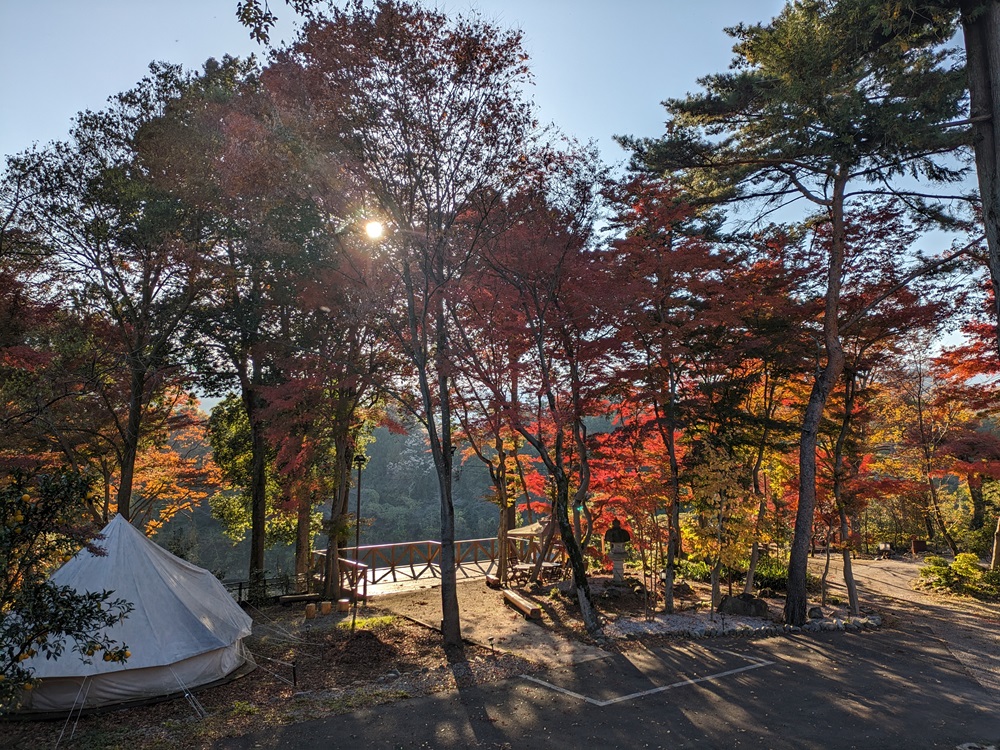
185	629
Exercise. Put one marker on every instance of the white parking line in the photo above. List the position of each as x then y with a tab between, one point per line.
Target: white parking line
755	663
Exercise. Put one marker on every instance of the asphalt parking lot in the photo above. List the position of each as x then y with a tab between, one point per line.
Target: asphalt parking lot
885	689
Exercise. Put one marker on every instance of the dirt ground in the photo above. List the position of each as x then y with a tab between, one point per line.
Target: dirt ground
306	669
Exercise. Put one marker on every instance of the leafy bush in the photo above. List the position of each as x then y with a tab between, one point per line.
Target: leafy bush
771	573
964	576
40	528
967	567
694	570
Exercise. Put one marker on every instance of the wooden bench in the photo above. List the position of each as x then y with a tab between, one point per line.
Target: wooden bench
529	609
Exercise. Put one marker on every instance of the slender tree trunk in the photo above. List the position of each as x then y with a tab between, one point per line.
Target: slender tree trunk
502	551
344	455
303	544
528	514
852	586
258	494
769	392
580	581
975	481
716	587
995	558
939	516
826	570
928	465
554	464
797	598
130	439
839	472
673	512
498	474
450	626
755	547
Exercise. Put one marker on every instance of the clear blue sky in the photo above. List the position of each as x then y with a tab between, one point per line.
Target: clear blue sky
601	66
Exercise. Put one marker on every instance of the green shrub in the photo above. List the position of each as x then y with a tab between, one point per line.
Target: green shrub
990	584
964	576
694	570
967	567
771	573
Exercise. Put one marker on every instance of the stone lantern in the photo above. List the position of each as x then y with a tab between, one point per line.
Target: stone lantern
616	538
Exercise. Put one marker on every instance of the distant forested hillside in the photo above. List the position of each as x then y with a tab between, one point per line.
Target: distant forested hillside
399	502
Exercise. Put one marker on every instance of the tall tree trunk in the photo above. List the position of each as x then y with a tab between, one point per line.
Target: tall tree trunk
839	471
797	599
826	569
258	494
852	586
716	586
554	464
338	508
975	481
580	581
343	448
443	458
981	26
755	547
130	439
927	454
761	511
528	514
303	544
995	558
498	475
666	431
939	516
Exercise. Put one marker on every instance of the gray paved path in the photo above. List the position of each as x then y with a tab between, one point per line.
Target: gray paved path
971	629
873	690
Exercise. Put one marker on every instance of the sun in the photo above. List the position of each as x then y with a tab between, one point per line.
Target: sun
374	230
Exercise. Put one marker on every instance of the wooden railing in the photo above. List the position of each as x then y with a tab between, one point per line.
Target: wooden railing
412	560
271	588
381	563
352	576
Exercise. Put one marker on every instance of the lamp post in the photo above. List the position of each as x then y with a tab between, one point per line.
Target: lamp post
360	460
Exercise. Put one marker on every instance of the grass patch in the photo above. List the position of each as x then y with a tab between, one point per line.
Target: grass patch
244	708
368	623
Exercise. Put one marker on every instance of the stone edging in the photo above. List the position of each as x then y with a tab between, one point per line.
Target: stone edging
713	630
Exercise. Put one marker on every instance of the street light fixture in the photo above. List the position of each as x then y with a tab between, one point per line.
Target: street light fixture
360	460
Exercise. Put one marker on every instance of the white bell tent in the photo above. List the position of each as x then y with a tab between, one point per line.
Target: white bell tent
185	629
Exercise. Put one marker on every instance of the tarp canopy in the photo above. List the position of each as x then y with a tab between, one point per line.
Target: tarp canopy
184	629
536	529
